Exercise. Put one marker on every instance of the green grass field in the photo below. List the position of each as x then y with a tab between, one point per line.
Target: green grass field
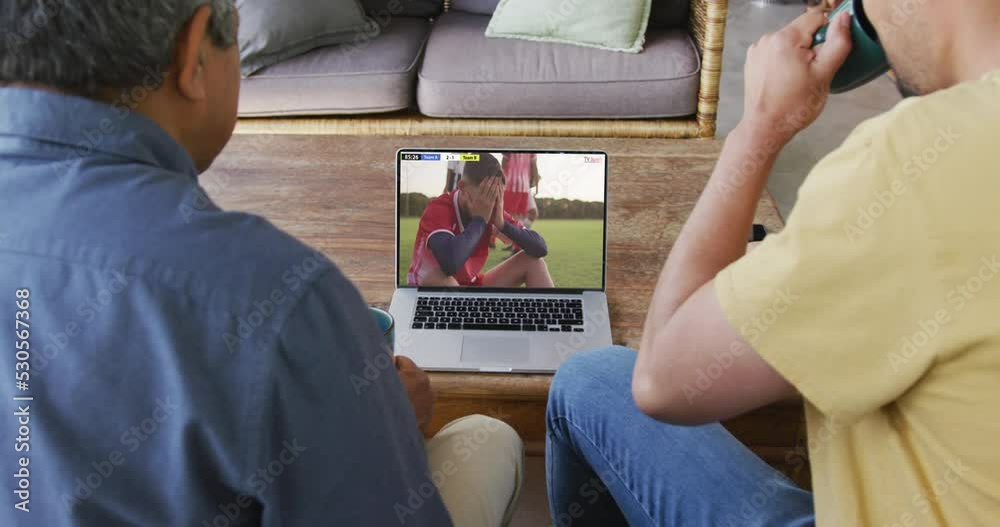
575	250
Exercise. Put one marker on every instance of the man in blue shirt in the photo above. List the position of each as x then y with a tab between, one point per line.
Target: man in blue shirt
172	364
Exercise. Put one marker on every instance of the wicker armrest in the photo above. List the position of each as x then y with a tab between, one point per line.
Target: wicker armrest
708	29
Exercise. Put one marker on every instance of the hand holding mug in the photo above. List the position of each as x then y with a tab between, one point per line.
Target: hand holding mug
787	80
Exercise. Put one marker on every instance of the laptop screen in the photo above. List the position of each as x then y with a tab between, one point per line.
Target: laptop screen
501	220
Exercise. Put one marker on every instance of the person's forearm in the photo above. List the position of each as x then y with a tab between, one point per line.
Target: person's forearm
715	235
451	252
530	241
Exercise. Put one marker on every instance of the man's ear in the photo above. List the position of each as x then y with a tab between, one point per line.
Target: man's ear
189	58
461	184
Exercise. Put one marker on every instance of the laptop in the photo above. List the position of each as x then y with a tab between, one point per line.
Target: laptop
522	297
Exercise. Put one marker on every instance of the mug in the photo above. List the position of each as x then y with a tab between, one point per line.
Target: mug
867	60
387	326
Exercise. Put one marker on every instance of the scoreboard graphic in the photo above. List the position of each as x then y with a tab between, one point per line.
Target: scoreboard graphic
441	157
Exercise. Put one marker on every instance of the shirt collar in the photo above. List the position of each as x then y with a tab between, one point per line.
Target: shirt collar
85	126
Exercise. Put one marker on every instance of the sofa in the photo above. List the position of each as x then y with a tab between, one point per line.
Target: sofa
430	70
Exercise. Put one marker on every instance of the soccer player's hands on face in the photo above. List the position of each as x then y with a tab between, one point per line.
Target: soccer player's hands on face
418	388
498	208
482	199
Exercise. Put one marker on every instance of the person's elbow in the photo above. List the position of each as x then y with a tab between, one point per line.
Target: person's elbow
542	250
660	395
442	254
663	402
448	268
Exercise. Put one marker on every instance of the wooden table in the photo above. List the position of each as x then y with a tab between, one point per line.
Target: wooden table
338	194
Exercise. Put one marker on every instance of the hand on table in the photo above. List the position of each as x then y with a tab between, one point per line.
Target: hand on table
418	389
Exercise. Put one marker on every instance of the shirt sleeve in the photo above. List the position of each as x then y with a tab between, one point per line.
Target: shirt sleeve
530	241
339	444
831	300
450	251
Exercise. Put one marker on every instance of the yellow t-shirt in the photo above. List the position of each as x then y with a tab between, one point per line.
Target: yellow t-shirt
880	302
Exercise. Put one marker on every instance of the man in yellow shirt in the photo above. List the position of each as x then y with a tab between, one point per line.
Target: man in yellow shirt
879	304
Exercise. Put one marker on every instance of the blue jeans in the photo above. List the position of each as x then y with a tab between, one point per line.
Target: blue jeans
609	464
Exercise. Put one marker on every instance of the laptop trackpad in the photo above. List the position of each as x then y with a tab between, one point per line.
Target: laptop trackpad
482	349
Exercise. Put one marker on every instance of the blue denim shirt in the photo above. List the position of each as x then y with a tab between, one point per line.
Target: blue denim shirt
182	365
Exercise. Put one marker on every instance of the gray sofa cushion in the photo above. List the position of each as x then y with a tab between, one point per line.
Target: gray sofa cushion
370	77
467	75
665	13
271	32
421	8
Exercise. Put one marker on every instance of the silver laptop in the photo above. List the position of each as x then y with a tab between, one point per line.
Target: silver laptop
520	298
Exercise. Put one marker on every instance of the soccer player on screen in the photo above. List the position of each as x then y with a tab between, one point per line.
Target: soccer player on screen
521	172
453	238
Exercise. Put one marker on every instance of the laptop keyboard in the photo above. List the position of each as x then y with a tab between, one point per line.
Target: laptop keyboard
498	314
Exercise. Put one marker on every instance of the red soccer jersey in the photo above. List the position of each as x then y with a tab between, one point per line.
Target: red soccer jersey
443	215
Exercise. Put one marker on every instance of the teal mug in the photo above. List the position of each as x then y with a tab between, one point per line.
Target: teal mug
867	60
386	325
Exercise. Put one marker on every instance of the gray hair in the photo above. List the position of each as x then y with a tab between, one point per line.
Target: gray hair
90	46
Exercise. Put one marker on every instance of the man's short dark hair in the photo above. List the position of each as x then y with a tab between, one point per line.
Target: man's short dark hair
476	172
90	46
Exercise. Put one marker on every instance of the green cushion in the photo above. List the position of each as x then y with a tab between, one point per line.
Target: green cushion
613	26
272	31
